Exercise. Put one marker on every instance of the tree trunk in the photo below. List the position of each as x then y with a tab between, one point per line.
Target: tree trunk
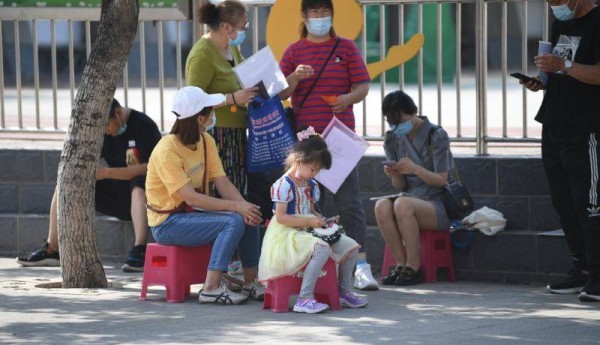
80	260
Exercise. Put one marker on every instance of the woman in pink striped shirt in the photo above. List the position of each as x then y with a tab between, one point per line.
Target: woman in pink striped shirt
327	75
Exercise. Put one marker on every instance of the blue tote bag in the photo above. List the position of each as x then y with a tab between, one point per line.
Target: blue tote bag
269	135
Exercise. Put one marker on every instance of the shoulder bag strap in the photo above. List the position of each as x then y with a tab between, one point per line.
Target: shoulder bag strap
205	177
320	72
454	170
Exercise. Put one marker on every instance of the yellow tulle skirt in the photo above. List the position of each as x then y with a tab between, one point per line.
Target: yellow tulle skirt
286	250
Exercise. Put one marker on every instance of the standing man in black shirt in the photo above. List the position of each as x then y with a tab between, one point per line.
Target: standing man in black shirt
570	114
129	140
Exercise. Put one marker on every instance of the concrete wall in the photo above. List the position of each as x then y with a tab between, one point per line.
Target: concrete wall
516	186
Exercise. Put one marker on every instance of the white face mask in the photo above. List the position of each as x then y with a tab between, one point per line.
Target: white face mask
563	12
319	26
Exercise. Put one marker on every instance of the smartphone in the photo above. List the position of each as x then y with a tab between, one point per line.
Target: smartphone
330	219
525	78
388	163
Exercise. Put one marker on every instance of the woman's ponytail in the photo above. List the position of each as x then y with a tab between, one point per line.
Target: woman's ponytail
228	11
209	15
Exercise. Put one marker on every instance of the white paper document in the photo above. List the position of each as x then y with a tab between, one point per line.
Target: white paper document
261	67
346	149
397	195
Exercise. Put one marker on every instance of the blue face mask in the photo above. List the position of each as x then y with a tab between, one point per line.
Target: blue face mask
213	123
239	39
563	12
122	129
403	128
319	26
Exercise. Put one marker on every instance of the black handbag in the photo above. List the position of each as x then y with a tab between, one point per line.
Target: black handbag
457	200
289	111
331	237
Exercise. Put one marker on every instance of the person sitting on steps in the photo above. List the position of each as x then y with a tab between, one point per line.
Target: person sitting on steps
129	139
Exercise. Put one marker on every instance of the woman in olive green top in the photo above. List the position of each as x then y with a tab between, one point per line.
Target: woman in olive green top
209	66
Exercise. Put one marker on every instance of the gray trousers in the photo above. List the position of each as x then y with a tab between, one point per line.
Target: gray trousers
315	265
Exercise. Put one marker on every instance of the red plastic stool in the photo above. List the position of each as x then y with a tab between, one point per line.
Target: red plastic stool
435	252
278	291
175	268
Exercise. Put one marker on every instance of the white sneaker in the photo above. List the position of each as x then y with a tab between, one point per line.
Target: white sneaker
222	295
363	278
254	290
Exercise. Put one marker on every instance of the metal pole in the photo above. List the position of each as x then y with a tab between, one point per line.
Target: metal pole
504	68
458	68
420	59
36	73
2	121
178	54
480	79
143	65
71	63
401	42
54	72
439	61
18	74
88	39
255	29
161	75
382	46
364	52
524	65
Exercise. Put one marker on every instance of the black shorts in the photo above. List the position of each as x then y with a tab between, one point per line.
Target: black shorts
113	197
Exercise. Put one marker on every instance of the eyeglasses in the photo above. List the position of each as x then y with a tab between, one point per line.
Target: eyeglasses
246	27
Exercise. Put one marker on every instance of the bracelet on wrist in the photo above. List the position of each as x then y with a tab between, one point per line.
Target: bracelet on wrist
233	107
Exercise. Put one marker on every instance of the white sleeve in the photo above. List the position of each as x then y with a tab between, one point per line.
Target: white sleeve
281	191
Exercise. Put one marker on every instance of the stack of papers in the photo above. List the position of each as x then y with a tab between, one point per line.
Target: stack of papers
346	149
262	70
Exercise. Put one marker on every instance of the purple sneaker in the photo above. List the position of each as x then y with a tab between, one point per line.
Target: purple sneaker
309	305
352	300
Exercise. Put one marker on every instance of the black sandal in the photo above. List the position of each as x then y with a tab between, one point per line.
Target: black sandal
409	277
390	279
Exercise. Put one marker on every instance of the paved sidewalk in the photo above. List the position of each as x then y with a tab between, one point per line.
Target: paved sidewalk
441	313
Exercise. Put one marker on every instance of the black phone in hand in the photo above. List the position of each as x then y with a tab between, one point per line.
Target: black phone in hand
525	78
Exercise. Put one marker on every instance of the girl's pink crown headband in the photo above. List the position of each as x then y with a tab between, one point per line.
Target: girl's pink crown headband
305	134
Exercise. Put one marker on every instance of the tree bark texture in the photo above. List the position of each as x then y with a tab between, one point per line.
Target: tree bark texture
79	256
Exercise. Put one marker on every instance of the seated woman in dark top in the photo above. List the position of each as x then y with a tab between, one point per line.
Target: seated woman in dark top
420	159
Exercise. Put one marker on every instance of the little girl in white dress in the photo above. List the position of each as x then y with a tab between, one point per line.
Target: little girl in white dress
288	245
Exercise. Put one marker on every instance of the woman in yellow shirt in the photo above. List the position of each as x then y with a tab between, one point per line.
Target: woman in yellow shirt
180	211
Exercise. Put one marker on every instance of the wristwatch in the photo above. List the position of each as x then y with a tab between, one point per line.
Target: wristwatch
568	65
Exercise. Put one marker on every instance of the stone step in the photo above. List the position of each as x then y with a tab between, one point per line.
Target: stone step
515	186
509	256
22	233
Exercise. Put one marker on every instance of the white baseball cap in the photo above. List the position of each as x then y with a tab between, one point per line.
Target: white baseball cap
190	100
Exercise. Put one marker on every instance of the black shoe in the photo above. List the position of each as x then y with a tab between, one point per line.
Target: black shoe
40	257
591	290
135	260
391	278
409	277
573	283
